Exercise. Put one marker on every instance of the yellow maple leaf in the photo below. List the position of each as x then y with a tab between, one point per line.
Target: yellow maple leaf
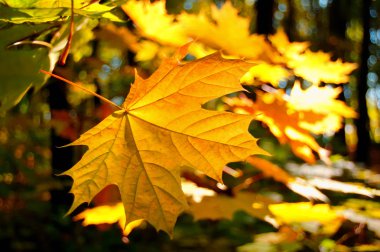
318	67
313	66
153	22
225	30
288	49
264	72
307	212
108	214
160	128
303	212
223	206
320	100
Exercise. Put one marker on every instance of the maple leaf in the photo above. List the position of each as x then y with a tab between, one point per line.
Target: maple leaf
223	206
285	47
318	67
320	100
226	30
313	66
308	212
284	123
108	214
153	22
161	128
264	72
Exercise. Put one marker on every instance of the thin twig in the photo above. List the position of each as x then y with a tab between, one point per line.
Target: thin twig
82	88
65	53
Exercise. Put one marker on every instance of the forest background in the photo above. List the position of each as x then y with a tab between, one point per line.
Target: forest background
299	50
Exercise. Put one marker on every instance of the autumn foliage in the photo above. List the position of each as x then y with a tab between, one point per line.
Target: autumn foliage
166	128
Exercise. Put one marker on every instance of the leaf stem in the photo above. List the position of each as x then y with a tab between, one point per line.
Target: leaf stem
82	88
65	53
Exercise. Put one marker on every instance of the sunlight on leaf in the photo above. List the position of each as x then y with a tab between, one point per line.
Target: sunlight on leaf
313	66
162	128
108	215
284	123
307	212
225	30
153	22
224	207
345	187
265	73
197	193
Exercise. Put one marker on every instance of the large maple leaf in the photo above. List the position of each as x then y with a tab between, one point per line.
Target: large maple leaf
161	128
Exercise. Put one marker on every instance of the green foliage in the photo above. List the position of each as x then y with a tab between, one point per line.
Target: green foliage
20	64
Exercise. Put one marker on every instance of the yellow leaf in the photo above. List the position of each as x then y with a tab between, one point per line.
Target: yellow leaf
224	207
320	100
318	67
161	128
303	212
225	30
153	22
108	215
288	49
313	66
265	73
148	50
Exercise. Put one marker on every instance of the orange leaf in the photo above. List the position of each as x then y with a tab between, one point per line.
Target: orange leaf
272	110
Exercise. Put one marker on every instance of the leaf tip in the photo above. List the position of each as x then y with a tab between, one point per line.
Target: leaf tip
182	51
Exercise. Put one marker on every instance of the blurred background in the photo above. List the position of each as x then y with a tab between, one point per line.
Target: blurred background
33	200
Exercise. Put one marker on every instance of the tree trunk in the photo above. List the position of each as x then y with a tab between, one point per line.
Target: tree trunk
338	20
62	158
264	18
362	123
290	24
